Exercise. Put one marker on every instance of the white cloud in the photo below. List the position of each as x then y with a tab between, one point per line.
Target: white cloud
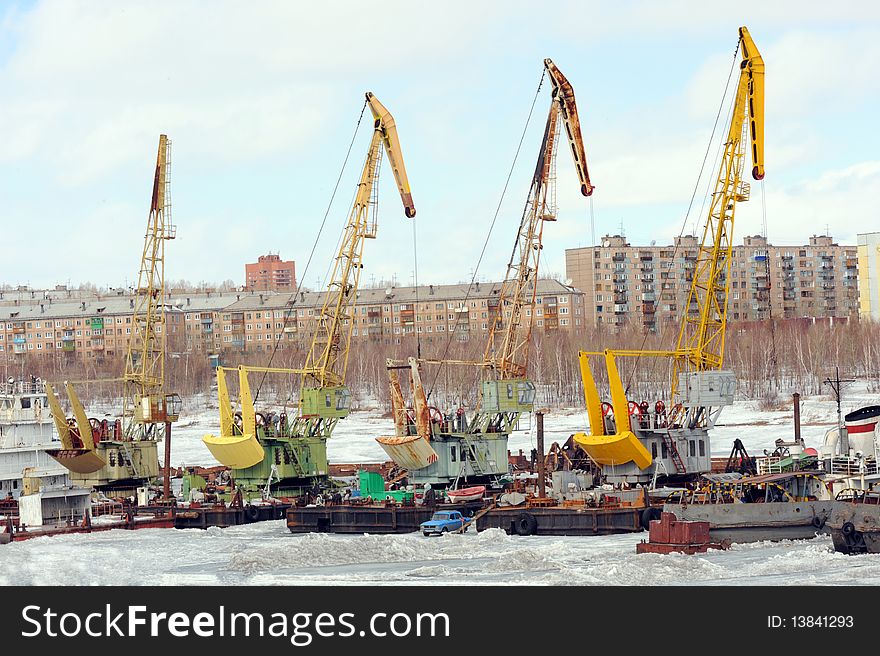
268	88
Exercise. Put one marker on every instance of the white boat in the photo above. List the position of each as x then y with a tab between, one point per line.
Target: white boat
26	434
474	493
29	477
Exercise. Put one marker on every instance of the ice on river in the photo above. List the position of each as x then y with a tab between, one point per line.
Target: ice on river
268	554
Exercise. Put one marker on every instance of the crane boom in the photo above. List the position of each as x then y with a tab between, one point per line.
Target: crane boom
563	90
704	317
145	357
115	461
293	451
667	441
507	348
327	358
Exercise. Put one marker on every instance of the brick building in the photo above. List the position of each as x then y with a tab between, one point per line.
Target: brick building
91	326
270	273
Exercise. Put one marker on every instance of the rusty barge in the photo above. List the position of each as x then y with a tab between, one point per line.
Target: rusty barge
532	519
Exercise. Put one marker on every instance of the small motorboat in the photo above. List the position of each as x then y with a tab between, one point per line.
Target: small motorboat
466	494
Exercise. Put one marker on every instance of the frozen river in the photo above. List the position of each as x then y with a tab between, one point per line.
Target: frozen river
267	554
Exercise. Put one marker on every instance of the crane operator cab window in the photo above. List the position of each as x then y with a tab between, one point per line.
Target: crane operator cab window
526	392
343	399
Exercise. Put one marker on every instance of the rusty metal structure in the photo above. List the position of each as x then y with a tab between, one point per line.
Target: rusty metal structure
445	448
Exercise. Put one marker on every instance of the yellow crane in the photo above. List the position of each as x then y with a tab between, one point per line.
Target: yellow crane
124	458
294	450
477	446
631	439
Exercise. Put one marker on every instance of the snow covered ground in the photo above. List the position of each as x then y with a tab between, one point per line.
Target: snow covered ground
267	554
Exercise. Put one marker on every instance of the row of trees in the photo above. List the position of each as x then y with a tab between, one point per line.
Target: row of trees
770	361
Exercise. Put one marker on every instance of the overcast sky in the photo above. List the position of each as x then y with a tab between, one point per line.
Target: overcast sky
261	99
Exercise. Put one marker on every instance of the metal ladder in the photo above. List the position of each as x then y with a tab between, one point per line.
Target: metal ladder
673	453
129	460
476	465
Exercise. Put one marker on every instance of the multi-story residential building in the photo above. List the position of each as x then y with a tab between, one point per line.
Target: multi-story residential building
432	312
650	284
270	273
89	328
869	275
212	322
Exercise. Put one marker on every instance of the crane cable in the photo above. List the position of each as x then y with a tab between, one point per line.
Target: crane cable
693	197
491	227
774	361
277	340
416	287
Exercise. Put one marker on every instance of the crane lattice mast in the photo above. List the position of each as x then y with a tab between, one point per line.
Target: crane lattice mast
327	358
145	357
507	349
704	316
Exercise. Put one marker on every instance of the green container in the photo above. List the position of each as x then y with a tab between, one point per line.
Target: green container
373	486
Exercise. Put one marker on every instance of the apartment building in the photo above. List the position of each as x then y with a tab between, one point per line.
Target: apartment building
270	273
89	328
649	285
869	275
432	312
210	322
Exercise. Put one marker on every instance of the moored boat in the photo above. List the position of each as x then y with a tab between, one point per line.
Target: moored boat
473	493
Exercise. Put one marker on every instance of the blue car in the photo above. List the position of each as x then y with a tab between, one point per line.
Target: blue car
443	522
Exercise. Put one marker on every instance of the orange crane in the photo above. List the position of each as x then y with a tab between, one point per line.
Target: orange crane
438	453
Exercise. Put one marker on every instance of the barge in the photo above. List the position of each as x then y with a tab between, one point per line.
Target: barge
855	523
523	520
221	515
781	506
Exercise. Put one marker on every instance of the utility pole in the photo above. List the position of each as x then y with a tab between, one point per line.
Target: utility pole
539	416
835	387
